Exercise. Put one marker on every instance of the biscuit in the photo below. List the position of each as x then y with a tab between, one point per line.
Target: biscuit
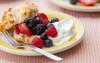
17	15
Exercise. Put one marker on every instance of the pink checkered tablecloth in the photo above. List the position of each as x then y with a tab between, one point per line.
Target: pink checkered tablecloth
88	51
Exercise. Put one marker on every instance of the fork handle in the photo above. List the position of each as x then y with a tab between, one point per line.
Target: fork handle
49	55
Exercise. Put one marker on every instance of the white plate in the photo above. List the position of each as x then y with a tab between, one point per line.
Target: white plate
66	4
74	41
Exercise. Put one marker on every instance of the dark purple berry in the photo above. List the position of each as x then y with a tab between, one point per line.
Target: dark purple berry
44	36
53	20
48	43
34	30
49	25
30	22
40	28
38	20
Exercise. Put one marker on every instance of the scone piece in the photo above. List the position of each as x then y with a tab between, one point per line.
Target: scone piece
7	20
24	10
18	15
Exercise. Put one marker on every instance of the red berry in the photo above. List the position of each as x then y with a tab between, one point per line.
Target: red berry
17	30
38	42
88	2
52	31
42	16
24	29
45	21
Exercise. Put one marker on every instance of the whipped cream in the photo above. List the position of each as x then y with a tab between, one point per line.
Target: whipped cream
65	31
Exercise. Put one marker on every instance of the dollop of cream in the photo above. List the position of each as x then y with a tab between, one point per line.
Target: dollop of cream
65	31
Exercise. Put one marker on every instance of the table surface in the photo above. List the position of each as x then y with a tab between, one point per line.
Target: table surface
88	51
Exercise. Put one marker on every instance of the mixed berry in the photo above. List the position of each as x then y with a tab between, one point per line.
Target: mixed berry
84	2
54	20
41	26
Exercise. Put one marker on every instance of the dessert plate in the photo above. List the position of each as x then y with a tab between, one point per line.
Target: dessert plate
55	49
66	4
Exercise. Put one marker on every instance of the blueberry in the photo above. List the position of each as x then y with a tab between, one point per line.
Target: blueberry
44	36
54	20
49	25
73	2
40	28
38	20
48	43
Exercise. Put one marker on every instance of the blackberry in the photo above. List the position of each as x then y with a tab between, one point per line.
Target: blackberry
30	22
40	28
53	20
48	43
34	30
44	36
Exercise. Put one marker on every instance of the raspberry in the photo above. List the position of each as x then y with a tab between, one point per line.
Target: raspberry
52	31
38	42
45	22
42	16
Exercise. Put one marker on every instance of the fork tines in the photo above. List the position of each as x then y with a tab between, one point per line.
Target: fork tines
9	39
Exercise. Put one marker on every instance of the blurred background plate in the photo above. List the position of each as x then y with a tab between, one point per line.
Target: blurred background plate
66	4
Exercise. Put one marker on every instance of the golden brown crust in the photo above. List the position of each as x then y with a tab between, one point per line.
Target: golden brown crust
7	20
0	27
24	11
17	15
